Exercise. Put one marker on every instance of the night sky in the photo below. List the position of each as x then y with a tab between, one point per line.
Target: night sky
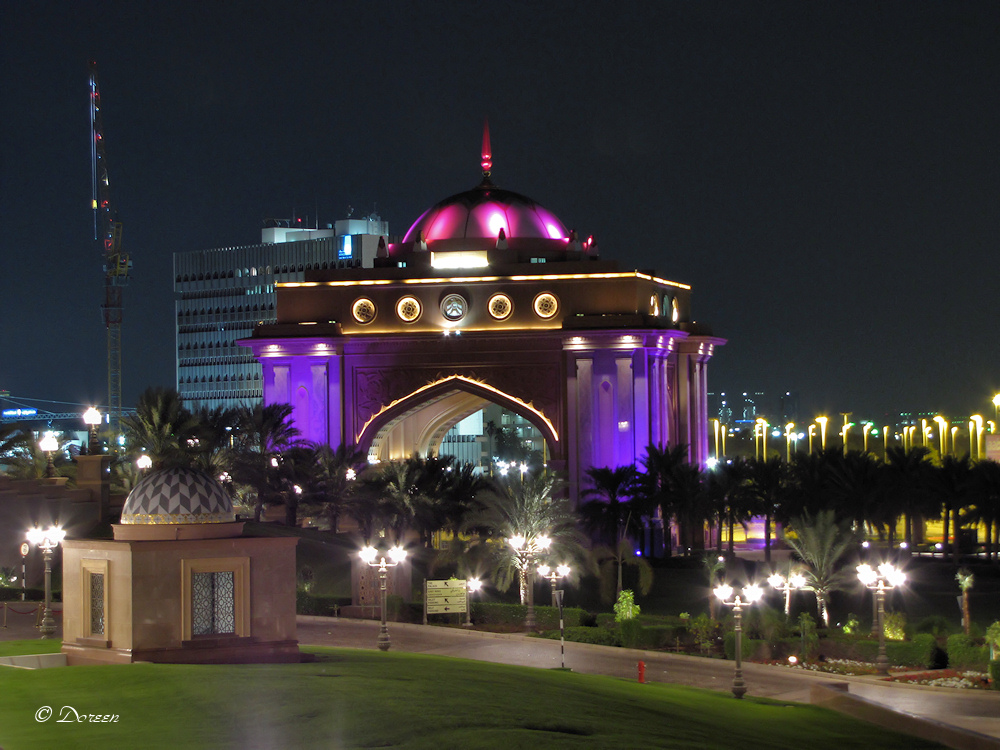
825	175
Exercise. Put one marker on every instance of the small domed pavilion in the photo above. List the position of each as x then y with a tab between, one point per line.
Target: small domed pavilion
179	583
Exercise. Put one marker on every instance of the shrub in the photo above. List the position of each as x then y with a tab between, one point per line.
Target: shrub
597	636
994	670
895	626
853	625
625	607
937	625
703	629
631	633
512	615
964	653
310	604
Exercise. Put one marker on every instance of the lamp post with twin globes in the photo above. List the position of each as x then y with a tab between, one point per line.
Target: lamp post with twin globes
751	594
396	555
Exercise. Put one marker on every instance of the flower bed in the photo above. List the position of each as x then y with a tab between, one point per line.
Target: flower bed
951	678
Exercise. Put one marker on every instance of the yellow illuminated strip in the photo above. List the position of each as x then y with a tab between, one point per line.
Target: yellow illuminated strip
489	279
471	381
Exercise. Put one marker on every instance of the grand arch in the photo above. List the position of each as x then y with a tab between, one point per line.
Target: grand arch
489	297
419	421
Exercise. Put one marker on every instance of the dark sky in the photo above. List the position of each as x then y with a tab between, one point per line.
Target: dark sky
825	175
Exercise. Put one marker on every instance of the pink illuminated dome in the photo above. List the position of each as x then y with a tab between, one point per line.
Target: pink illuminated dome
482	212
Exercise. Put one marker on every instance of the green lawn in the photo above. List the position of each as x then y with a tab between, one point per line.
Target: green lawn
371	699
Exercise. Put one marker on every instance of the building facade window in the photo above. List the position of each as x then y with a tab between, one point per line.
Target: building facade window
95	599
215	597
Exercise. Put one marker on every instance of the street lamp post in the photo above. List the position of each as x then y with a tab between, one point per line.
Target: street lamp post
49	445
751	594
886	578
560	571
92	418
553	574
527	549
865	428
471	587
762	423
979	434
47	541
788	441
822	431
396	555
778	582
943	428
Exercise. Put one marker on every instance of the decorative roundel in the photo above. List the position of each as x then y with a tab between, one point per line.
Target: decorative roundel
500	306
546	305
408	309
363	310
454	307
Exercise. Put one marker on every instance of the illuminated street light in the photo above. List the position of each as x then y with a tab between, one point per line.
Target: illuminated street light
843	434
812	433
795	581
717	425
396	555
49	445
527	550
822	431
144	461
471	587
92	418
886	434
557	601
886	578
762	423
47	541
788	441
996	407
979	434
943	429
751	594
865	428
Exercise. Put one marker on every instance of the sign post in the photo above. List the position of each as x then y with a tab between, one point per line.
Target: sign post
445	597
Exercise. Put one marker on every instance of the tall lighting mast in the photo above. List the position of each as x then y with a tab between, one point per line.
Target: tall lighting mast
108	229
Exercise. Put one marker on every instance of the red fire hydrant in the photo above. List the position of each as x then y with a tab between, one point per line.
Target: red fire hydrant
642	671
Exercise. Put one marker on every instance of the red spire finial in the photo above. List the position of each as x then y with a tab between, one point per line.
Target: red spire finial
487	151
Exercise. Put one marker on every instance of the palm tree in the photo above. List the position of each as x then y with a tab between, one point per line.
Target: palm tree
951	487
730	499
161	428
906	473
264	433
667	486
856	487
985	497
15	444
334	480
532	506
768	483
610	516
821	542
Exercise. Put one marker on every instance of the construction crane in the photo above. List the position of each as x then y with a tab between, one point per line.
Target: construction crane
108	229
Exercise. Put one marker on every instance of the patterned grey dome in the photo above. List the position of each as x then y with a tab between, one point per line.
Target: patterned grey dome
177	496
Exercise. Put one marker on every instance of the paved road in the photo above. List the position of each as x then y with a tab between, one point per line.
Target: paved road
978	711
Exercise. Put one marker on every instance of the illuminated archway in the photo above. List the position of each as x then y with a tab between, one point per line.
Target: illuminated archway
419	421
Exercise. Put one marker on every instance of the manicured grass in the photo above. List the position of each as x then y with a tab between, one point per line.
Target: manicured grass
369	699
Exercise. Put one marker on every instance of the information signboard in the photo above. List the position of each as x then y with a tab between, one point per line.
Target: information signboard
445	597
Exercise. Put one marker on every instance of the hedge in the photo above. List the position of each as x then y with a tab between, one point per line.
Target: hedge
546	618
965	653
597	636
310	604
920	652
